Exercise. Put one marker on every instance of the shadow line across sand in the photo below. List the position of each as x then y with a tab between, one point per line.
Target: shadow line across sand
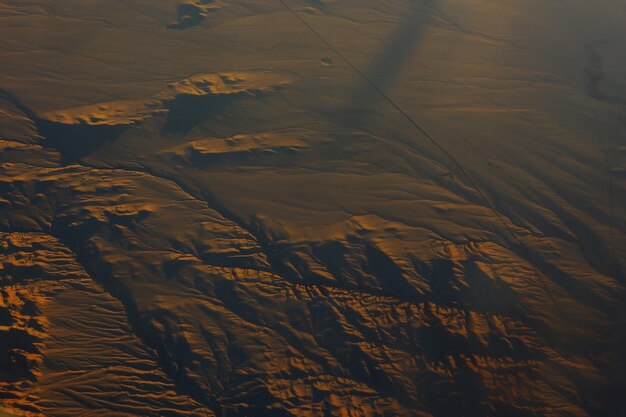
385	67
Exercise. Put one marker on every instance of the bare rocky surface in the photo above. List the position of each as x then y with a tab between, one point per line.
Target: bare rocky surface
312	208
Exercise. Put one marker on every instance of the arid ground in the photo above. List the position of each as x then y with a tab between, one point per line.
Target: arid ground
316	208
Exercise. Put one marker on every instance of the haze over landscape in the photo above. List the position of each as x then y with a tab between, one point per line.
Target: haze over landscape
349	208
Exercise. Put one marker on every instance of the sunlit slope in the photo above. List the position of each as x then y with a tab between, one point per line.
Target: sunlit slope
69	343
384	208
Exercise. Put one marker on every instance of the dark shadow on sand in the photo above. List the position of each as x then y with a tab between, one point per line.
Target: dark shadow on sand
386	66
188	111
77	141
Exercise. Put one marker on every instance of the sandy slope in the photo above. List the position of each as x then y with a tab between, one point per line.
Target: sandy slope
208	210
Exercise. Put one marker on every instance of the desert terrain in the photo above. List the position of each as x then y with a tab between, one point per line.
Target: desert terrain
348	208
